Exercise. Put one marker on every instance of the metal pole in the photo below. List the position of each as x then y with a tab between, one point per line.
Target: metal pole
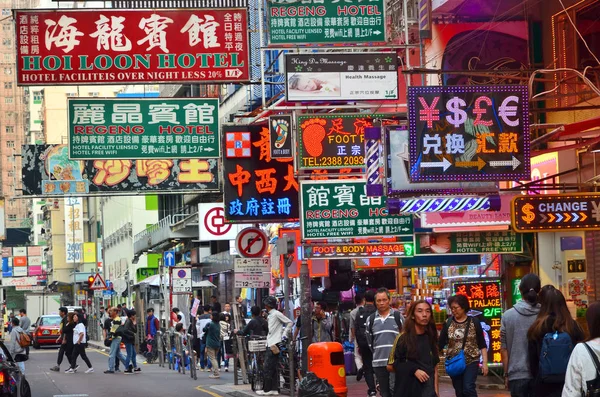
305	313
161	292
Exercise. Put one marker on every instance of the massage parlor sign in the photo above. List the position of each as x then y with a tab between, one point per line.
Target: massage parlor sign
131	46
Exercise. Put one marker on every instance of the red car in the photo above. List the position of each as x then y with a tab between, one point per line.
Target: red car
45	331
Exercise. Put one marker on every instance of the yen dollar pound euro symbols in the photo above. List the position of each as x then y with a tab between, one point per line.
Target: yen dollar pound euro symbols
529	216
458	116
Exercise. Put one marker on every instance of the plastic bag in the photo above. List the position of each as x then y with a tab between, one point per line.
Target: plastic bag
348	346
313	386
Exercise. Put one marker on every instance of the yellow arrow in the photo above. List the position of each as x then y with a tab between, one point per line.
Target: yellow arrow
552	217
468	164
583	217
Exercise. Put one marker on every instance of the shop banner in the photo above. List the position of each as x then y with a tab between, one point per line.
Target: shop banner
60	47
342	209
257	188
143	128
485	300
20	251
317	21
470	218
34	266
2	223
468	243
472	133
353	251
332	141
50	163
7	269
281	136
341	77
549	213
74	229
89	253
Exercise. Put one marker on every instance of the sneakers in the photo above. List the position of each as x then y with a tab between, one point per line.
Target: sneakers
260	392
76	368
128	372
226	369
108	371
89	371
208	370
56	368
359	374
214	377
267	393
138	369
70	371
373	394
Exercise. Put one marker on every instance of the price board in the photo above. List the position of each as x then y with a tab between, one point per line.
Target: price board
252	280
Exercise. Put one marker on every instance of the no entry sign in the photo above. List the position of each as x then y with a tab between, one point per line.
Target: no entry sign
252	243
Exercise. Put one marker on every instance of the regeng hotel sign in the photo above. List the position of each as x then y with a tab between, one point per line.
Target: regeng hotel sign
131	46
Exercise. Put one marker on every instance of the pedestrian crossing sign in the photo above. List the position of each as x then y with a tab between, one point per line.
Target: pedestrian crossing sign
98	282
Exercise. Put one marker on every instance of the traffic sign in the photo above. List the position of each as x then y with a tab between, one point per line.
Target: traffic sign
252	243
98	293
181	280
98	282
119	286
252	265
169	258
252	280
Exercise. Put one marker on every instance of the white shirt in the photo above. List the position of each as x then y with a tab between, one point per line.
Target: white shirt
79	329
581	369
279	325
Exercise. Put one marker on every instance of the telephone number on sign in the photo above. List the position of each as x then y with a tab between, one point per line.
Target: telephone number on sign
330	161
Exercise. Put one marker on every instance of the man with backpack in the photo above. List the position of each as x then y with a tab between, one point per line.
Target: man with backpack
360	336
382	327
18	341
202	321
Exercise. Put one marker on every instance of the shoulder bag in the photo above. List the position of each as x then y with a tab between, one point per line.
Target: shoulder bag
593	386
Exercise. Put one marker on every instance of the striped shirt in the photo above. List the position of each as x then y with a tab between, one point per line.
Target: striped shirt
384	335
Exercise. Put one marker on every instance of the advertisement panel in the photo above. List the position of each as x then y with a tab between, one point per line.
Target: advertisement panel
20	251
353	251
143	128
474	133
281	136
2	222
51	163
341	77
74	229
468	243
342	209
317	22
70	47
34	266
89	253
470	218
259	188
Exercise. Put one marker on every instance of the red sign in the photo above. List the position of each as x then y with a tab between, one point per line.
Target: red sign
20	261
252	243
132	46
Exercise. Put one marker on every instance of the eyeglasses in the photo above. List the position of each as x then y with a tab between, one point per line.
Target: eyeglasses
454	308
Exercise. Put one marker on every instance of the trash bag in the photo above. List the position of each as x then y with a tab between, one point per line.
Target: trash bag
313	386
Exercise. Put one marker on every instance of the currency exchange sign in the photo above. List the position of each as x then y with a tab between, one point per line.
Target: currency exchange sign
342	209
469	133
70	47
139	128
318	21
548	213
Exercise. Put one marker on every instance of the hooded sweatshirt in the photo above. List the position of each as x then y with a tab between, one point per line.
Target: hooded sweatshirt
513	336
581	369
14	347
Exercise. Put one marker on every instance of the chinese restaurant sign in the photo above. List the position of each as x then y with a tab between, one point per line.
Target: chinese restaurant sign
353	251
547	213
47	170
473	133
143	128
319	21
468	243
131	46
342	209
257	188
485	297
332	141
341	77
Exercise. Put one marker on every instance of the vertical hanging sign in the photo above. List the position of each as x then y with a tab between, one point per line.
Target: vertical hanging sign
74	229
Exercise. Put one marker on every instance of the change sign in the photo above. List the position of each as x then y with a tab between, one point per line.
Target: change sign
342	209
131	46
471	133
115	128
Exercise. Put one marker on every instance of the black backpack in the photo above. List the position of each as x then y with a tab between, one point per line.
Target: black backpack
593	386
360	324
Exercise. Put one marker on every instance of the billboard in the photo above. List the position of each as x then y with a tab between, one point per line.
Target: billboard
60	47
47	170
474	133
341	77
468	243
281	136
74	229
143	128
2	221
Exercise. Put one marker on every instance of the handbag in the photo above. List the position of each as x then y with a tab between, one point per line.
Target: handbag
107	342
456	365
593	386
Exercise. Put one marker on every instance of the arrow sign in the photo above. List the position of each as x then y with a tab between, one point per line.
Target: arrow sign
376	32
514	163
469	164
575	216
169	258
544	218
559	217
567	217
445	164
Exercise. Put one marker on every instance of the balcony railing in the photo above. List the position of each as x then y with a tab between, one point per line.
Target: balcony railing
166	229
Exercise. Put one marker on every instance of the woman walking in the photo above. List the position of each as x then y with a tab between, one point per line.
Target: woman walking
79	342
225	351
464	333
554	319
129	341
213	343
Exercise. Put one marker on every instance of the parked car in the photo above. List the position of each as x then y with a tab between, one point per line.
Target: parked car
45	331
12	382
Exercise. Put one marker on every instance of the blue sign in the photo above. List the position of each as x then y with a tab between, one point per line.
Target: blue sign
108	292
169	258
6	269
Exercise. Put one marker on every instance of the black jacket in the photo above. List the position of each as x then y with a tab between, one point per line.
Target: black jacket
258	326
407	385
130	331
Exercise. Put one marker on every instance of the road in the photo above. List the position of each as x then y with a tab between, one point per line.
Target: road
153	381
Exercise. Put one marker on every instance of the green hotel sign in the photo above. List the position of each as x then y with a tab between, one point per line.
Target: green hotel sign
468	243
325	21
116	128
341	209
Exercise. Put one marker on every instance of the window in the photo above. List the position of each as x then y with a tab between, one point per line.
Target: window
37	97
7	42
6	27
10	143
71	94
8	99
94	93
6	12
8	57
8	71
11	174
8	85
12	217
10	129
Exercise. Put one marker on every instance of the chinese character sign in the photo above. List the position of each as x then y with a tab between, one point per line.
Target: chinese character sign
485	298
473	133
332	141
131	46
143	128
258	188
468	243
326	21
342	209
74	229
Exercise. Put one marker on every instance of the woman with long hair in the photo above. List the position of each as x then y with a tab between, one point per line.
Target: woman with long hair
554	318
584	366
79	342
414	357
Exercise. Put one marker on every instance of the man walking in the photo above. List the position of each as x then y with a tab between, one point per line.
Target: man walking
279	328
382	328
202	321
359	300
25	323
216	306
115	345
360	333
62	339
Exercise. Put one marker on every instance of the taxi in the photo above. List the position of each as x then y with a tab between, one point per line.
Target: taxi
46	331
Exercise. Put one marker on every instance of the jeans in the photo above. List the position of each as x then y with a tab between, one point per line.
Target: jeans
131	356
115	353
367	359
464	385
270	378
221	357
386	381
212	356
79	350
521	387
202	358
